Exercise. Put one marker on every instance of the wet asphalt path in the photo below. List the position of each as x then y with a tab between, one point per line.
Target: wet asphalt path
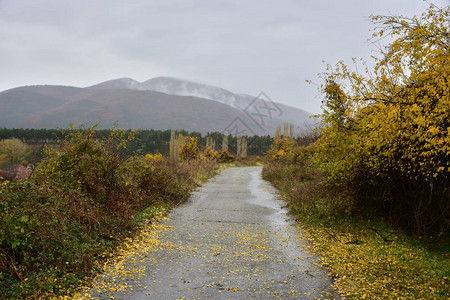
232	240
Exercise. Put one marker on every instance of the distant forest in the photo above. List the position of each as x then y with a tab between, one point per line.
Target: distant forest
146	141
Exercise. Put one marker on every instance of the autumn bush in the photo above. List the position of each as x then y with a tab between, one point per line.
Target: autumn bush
220	156
374	187
384	146
367	257
79	202
189	149
302	184
282	149
385	132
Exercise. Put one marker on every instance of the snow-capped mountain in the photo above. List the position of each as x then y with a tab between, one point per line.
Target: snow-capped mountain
158	103
253	106
174	86
120	83
178	87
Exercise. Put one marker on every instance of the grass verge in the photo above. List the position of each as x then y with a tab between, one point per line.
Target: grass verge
368	259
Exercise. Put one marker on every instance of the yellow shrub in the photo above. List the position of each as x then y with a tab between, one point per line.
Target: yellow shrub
189	150
154	157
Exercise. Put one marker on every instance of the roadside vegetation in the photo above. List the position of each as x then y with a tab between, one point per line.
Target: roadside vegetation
368	257
372	191
81	202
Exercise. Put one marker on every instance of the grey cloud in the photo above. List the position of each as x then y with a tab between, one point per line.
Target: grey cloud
244	46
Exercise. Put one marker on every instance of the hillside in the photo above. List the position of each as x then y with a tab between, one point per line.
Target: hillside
159	103
243	102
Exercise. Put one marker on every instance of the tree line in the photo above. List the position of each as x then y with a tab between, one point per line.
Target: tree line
145	141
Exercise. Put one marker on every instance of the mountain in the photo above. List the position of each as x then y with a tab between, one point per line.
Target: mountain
174	86
243	102
158	103
121	83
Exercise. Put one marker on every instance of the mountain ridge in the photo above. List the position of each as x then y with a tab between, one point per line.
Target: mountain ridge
158	103
182	87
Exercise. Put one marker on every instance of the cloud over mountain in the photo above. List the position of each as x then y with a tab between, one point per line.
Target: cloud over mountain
158	103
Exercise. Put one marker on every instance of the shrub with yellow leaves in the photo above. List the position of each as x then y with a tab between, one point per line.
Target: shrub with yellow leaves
220	156
189	150
154	157
282	149
385	133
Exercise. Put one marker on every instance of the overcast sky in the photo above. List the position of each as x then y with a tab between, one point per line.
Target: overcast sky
244	46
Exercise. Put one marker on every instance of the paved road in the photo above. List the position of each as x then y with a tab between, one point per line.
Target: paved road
232	240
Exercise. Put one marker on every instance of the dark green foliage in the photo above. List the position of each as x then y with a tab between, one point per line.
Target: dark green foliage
145	141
